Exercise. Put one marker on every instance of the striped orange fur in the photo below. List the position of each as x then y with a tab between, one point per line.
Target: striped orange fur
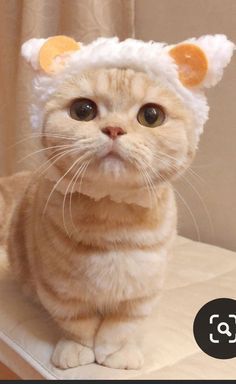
90	237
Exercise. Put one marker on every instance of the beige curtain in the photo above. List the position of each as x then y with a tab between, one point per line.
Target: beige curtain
211	197
21	20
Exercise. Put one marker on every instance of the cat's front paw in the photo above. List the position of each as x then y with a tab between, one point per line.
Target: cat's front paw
69	354
127	356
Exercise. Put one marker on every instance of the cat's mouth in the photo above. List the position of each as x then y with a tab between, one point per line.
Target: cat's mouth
112	155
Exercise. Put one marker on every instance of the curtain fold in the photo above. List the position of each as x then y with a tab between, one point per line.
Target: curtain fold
21	20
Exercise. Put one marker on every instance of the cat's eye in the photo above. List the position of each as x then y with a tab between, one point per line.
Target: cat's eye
83	110
151	115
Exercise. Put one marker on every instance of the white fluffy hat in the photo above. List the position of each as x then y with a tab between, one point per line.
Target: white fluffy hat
187	67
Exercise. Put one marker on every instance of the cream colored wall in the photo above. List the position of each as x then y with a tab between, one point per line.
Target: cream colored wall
174	21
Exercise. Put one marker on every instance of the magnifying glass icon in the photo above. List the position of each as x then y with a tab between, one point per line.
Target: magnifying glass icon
223	328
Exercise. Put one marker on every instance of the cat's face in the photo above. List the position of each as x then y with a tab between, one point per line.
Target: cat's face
119	127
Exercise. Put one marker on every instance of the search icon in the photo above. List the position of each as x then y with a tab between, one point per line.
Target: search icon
225	330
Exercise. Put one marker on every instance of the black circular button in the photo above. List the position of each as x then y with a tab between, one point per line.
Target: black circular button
214	328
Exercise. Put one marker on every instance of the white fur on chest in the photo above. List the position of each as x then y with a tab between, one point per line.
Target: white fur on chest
126	274
114	276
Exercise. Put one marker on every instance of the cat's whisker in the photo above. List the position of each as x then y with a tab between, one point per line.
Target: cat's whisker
59	181
152	188
81	172
43	150
186	206
193	173
182	199
189	170
199	197
165	155
36	171
145	178
38	135
57	157
150	178
203	204
193	166
65	196
134	160
147	185
74	180
190	212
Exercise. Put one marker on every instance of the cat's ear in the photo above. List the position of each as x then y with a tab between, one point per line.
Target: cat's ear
49	55
201	61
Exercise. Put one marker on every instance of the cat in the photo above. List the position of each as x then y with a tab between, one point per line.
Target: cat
92	233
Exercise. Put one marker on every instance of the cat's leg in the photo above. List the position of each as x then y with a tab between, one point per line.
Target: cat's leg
115	342
115	346
76	348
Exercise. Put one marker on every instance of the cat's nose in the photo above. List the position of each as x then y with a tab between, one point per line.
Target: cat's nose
113	132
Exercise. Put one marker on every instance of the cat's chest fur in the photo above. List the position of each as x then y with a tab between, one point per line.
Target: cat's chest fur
103	250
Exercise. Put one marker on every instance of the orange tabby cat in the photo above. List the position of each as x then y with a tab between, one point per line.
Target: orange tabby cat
91	235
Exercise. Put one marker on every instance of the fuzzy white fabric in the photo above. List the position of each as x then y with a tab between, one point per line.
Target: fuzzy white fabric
149	57
139	196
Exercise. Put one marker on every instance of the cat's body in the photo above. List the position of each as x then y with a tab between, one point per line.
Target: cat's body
99	259
90	237
115	257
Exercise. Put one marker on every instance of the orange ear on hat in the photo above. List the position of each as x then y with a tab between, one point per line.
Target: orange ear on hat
53	52
192	63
